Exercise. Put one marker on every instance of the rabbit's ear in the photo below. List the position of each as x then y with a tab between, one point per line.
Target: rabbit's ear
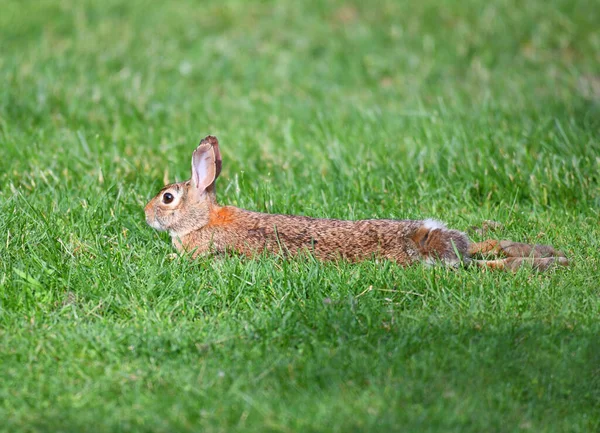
212	140
206	164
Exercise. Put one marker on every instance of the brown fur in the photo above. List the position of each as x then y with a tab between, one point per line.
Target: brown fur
199	225
250	233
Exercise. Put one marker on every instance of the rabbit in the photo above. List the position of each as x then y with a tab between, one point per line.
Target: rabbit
198	224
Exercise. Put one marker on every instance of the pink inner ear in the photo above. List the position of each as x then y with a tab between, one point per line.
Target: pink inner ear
203	167
195	176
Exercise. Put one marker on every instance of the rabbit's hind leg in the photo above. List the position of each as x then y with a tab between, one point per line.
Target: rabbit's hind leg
485	248
518	249
514	263
513	255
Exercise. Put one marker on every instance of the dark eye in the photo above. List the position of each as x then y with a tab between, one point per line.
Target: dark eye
167	197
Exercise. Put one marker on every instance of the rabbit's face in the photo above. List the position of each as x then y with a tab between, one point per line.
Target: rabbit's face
162	210
178	210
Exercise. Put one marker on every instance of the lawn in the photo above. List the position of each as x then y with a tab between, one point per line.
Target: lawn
462	111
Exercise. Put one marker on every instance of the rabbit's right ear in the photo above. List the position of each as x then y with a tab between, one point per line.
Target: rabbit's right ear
206	165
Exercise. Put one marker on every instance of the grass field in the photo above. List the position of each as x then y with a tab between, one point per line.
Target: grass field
457	110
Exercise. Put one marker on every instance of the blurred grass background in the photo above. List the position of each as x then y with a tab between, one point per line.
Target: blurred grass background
461	111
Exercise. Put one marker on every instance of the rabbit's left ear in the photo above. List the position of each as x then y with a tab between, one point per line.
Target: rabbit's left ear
206	164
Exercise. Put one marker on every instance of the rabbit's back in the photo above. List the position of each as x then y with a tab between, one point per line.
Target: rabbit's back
249	233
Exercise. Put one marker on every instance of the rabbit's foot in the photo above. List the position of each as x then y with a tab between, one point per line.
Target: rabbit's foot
513	255
514	263
492	247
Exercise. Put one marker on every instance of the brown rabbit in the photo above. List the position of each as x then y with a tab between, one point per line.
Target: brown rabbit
190	213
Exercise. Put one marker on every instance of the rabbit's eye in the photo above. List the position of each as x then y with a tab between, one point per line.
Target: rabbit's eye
167	197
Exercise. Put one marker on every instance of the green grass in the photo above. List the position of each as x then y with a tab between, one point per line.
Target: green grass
461	111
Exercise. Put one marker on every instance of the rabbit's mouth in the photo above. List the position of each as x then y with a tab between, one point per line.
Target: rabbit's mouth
153	222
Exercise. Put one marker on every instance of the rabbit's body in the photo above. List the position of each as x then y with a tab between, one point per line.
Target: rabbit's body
249	233
190	213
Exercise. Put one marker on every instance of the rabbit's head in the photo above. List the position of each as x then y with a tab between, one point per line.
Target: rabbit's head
185	206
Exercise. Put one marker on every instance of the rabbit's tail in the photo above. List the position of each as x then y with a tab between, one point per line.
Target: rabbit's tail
436	243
